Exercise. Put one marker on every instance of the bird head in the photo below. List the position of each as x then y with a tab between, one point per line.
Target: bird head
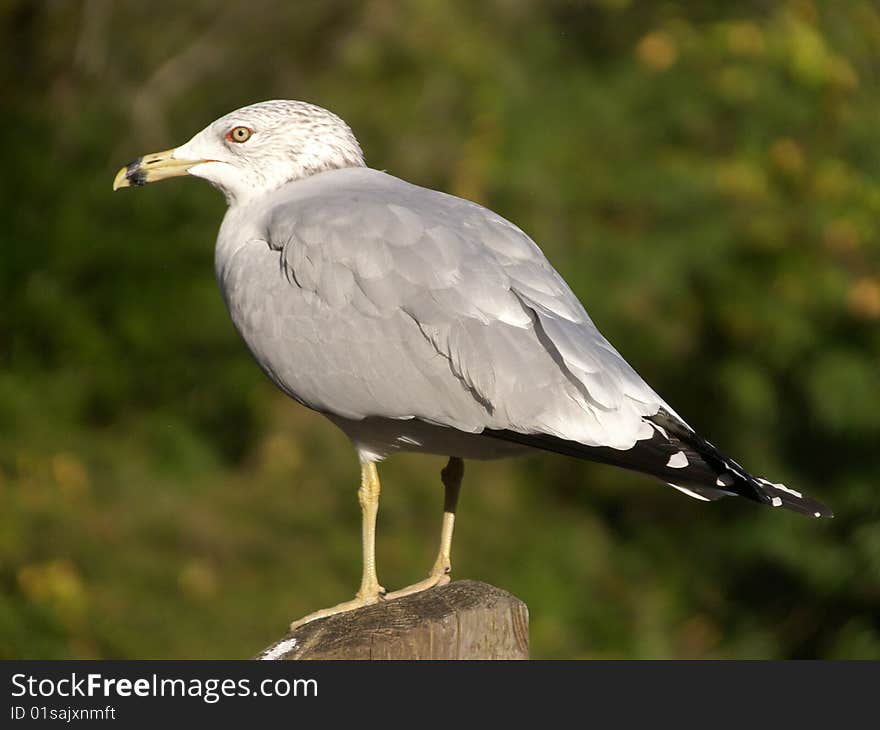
254	150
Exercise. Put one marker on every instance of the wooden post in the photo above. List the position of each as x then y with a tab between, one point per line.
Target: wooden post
461	620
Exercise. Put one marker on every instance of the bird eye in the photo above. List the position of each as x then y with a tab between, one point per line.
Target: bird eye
239	134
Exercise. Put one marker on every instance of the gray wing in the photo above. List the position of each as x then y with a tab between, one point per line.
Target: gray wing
402	302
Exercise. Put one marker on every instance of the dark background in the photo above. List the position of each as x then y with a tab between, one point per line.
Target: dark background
704	174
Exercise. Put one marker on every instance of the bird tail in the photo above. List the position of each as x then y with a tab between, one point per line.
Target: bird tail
684	460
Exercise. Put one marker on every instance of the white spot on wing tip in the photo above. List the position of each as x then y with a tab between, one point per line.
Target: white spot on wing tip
792	492
690	493
278	651
817	514
781	487
776	502
678	460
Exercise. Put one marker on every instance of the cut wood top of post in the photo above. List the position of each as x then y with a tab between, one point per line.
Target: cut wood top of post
462	620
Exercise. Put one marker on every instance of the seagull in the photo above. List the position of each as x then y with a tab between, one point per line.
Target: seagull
419	321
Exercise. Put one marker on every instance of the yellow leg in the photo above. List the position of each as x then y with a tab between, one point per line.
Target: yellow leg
370	591
440	574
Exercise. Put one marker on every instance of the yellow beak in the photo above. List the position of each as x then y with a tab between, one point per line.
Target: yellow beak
151	168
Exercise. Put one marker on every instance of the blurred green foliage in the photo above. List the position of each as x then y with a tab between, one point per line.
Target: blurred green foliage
706	176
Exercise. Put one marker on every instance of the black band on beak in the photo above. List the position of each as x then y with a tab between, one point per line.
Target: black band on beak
135	174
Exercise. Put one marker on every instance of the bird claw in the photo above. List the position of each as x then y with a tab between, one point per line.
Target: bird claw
436	579
357	602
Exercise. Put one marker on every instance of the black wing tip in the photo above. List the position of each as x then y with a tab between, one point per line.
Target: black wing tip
778	495
817	509
809	507
740	481
717	477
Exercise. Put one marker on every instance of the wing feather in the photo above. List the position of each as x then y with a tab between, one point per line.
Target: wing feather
459	304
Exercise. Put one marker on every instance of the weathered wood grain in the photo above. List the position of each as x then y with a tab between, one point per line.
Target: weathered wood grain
462	620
